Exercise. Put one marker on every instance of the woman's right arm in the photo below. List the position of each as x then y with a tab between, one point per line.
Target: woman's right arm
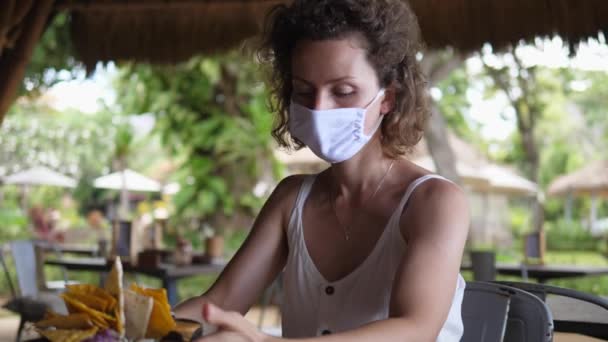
257	263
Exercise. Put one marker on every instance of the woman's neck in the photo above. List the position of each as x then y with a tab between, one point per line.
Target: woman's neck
357	178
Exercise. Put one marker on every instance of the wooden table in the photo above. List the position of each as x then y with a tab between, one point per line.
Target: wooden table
60	248
169	274
543	273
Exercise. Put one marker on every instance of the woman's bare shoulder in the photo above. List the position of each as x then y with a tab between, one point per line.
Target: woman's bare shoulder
289	186
284	195
432	198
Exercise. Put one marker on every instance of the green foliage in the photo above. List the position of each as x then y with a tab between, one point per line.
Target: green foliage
14	225
569	236
570	127
66	142
520	220
72	143
53	58
593	285
123	141
593	102
454	106
211	114
235	239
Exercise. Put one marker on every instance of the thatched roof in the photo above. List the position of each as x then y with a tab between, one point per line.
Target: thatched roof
468	24
171	31
591	179
159	34
164	35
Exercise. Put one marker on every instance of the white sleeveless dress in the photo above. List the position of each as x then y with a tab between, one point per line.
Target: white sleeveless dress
313	306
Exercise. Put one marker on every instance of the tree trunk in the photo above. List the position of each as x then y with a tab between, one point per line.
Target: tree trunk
528	108
123	209
437	65
436	136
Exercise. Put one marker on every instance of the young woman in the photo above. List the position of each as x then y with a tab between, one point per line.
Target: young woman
371	247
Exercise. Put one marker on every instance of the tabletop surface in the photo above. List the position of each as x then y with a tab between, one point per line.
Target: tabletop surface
547	269
164	269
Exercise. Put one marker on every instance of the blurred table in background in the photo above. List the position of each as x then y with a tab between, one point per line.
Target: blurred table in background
169	274
544	273
76	249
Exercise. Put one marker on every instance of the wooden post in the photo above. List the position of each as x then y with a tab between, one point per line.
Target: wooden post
6	10
569	205
593	213
14	61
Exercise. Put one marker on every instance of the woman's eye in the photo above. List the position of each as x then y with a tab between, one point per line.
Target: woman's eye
344	91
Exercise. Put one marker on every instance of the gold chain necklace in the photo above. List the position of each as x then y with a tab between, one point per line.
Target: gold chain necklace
346	228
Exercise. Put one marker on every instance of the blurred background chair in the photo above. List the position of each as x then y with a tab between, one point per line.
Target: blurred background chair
498	312
30	304
573	311
529	318
485	307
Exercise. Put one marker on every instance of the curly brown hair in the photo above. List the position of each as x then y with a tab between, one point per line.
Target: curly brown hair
393	40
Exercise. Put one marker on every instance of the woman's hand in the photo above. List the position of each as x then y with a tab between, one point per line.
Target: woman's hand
232	327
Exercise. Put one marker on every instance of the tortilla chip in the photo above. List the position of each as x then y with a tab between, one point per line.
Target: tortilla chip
51	314
118	324
89	300
114	287
64	335
96	294
77	321
161	321
159	295
138	309
75	306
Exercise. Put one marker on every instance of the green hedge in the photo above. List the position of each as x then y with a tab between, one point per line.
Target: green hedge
570	236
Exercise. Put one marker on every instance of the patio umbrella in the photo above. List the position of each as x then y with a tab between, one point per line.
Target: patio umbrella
40	175
129	180
125	181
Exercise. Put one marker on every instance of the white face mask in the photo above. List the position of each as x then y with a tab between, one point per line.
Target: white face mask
334	135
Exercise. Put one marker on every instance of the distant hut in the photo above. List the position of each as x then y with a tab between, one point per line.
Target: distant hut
589	181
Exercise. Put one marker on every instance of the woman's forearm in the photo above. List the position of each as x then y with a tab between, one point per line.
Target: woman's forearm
192	308
389	330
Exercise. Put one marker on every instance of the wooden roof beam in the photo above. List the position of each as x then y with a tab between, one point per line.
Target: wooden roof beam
14	61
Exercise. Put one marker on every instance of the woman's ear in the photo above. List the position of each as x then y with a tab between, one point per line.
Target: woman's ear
388	103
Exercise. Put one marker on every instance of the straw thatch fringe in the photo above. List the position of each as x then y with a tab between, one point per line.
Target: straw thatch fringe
468	24
592	179
168	32
138	5
164	35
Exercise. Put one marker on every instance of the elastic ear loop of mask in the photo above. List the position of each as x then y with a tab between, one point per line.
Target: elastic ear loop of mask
380	93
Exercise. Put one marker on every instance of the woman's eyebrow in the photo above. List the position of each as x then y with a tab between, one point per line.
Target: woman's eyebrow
335	80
